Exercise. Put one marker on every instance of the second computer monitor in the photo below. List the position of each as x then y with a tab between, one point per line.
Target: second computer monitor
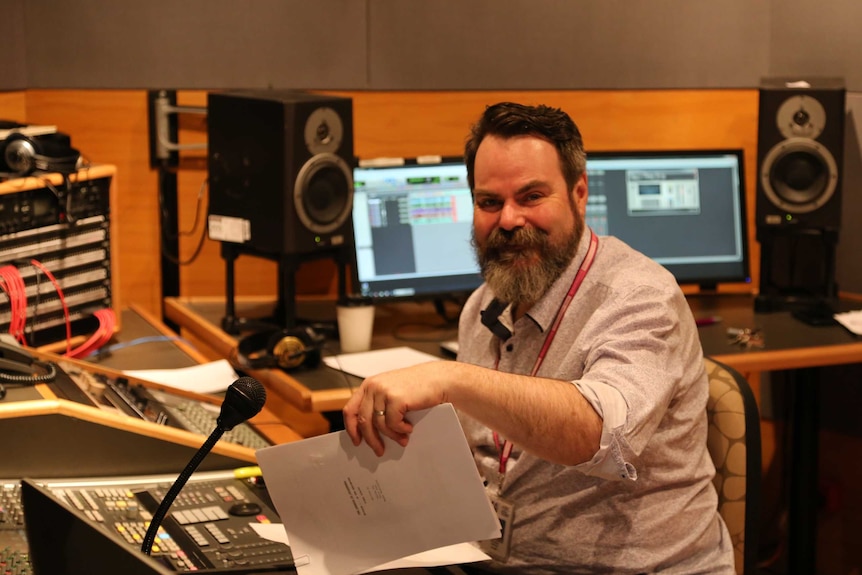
684	209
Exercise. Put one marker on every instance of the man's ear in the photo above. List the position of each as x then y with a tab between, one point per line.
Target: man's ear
580	193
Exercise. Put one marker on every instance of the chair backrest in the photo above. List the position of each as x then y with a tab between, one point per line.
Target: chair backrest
734	444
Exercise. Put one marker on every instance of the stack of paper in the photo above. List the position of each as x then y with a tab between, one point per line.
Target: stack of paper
368	363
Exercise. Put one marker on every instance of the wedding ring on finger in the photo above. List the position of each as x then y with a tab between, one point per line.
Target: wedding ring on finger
379	412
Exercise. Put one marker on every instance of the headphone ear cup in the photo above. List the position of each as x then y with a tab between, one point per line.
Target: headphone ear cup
296	347
19	154
49	153
287	347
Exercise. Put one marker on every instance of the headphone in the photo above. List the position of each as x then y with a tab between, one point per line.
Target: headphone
22	155
283	348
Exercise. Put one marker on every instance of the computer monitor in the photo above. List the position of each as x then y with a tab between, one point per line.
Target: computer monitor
412	222
684	209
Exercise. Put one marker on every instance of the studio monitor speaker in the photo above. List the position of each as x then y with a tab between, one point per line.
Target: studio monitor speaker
280	171
800	154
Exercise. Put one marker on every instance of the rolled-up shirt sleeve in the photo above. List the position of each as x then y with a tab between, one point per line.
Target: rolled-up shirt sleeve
612	460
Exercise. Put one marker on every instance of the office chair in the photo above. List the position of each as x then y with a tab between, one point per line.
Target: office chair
733	441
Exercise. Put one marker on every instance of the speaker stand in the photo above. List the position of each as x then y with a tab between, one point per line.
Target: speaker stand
806	260
284	314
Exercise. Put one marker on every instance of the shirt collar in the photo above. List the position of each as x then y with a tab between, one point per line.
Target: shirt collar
545	310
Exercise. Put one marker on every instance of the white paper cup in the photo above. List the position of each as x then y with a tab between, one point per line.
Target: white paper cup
355	326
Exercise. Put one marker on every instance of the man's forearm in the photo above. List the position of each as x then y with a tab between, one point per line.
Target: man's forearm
546	417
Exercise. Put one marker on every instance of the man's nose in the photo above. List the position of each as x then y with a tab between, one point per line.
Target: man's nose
512	216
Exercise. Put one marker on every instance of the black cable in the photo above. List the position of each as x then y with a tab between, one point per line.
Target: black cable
165	236
49	375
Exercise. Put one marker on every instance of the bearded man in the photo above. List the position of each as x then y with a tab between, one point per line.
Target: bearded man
579	382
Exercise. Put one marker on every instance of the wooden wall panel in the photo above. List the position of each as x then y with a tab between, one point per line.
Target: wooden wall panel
110	126
13	106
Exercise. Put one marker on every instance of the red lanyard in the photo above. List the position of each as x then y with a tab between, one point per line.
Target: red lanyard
506	448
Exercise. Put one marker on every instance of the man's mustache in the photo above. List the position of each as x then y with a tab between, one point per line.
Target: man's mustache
502	241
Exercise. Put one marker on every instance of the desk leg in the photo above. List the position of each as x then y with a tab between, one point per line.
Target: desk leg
803	480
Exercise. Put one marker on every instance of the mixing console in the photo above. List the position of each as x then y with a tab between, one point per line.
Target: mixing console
208	526
14	552
162	407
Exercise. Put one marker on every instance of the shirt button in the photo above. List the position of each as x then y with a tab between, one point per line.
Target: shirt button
510	347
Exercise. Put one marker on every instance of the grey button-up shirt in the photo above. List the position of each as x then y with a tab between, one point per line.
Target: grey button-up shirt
645	502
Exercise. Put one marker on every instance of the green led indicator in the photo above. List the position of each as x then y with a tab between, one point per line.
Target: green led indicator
788	217
317	239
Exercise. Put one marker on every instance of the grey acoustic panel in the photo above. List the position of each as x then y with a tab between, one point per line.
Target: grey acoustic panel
567	44
848	272
817	38
13	64
210	44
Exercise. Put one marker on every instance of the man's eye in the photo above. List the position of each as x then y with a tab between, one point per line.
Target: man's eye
488	204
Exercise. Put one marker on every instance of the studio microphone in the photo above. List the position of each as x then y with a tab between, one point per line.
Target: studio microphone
243	400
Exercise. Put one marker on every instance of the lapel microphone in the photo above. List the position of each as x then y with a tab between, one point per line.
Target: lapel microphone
491	319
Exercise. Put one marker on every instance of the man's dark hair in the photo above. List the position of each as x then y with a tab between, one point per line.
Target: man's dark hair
507	120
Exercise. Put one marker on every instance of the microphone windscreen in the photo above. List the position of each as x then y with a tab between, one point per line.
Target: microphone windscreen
243	400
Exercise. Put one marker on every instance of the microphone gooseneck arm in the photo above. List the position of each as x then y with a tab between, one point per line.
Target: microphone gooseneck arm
243	400
175	489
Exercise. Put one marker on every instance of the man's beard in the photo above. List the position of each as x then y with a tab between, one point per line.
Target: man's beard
504	257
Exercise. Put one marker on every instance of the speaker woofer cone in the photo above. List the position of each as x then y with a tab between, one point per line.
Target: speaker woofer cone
323	194
799	175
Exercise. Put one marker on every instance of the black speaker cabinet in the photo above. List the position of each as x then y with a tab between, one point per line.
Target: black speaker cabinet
280	171
800	154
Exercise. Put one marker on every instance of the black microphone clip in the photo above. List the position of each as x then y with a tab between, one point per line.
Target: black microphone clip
491	319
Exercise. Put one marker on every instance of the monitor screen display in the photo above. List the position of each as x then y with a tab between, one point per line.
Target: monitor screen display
683	209
412	229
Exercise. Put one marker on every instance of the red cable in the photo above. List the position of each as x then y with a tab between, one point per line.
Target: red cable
103	334
62	297
13	285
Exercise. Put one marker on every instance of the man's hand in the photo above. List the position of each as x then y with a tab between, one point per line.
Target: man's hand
379	407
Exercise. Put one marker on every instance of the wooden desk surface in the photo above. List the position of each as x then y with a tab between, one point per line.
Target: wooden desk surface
789	343
320	389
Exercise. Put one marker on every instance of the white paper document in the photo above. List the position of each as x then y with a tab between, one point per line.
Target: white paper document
347	511
367	363
852	320
451	554
212	377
